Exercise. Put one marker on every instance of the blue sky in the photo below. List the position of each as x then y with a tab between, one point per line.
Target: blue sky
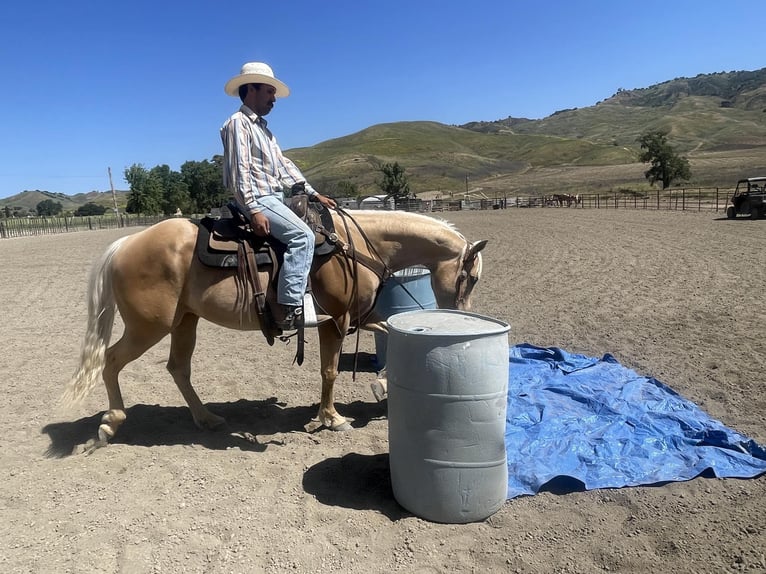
88	85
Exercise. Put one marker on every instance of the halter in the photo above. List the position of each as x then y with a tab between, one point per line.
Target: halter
465	281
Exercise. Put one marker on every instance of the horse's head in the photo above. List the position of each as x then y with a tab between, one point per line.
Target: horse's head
453	281
399	240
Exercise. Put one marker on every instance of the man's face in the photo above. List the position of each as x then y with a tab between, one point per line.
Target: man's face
262	99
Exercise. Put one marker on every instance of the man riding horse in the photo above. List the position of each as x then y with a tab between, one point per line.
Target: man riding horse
161	286
257	173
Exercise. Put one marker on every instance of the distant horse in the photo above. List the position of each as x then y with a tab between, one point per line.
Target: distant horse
561	198
160	287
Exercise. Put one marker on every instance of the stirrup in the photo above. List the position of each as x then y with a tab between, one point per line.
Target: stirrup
310	317
292	320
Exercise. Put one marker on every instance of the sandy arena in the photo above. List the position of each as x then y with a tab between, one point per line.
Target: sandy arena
675	295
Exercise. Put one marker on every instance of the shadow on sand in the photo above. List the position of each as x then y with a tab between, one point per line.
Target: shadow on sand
356	481
156	425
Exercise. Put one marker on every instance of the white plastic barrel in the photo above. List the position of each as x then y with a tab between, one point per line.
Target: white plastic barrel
407	290
447	397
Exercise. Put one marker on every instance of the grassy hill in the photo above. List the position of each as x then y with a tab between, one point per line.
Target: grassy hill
28	200
439	157
718	121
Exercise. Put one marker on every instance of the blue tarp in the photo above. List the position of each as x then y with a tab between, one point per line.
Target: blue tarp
593	423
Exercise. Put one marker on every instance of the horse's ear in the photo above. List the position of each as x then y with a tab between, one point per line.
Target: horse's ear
475	248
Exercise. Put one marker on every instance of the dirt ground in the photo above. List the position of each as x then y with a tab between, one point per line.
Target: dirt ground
677	296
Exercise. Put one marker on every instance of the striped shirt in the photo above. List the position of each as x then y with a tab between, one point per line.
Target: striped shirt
253	164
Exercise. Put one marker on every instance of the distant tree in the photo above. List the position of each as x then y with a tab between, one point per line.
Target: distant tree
394	183
49	207
7	211
90	208
174	191
204	181
667	165
145	194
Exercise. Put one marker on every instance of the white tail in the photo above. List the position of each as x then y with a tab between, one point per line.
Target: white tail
101	307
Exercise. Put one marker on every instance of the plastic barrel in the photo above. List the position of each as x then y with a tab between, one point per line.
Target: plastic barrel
447	399
407	290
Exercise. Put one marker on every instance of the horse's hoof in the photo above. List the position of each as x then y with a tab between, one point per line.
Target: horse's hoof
342	427
105	434
211	422
378	390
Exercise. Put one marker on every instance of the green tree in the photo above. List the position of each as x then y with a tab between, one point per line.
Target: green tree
204	181
145	191
90	208
667	165
394	183
174	192
49	207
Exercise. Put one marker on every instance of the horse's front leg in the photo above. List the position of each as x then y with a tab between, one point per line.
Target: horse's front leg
330	343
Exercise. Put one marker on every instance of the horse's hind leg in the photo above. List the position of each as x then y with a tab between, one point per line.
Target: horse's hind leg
127	349
182	342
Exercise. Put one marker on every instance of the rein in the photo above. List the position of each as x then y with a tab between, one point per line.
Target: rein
376	265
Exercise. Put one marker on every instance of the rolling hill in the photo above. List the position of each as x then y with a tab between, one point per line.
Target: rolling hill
718	121
28	200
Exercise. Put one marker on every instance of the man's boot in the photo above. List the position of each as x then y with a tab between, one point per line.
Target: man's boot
292	318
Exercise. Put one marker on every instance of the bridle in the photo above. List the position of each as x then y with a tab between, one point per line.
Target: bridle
465	281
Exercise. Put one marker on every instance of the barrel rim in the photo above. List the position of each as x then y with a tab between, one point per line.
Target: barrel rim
502	326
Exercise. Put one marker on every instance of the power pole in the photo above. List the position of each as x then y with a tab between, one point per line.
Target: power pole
114	197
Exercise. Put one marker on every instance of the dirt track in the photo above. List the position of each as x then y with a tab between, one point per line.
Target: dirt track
678	296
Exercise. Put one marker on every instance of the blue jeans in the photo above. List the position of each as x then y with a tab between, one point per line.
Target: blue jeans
288	228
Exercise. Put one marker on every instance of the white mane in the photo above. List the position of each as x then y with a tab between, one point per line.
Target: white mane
387	213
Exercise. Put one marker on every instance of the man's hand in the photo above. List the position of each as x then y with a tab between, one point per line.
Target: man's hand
260	224
326	201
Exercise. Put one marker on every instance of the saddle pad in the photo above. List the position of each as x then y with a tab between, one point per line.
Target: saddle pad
225	256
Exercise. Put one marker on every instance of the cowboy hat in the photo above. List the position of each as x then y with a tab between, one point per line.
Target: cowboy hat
256	73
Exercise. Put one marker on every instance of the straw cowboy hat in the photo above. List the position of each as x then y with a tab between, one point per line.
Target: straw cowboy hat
256	73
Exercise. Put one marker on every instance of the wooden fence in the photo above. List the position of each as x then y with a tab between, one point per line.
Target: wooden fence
28	226
683	199
712	199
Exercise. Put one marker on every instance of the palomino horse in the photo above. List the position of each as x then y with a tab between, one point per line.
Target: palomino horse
159	287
